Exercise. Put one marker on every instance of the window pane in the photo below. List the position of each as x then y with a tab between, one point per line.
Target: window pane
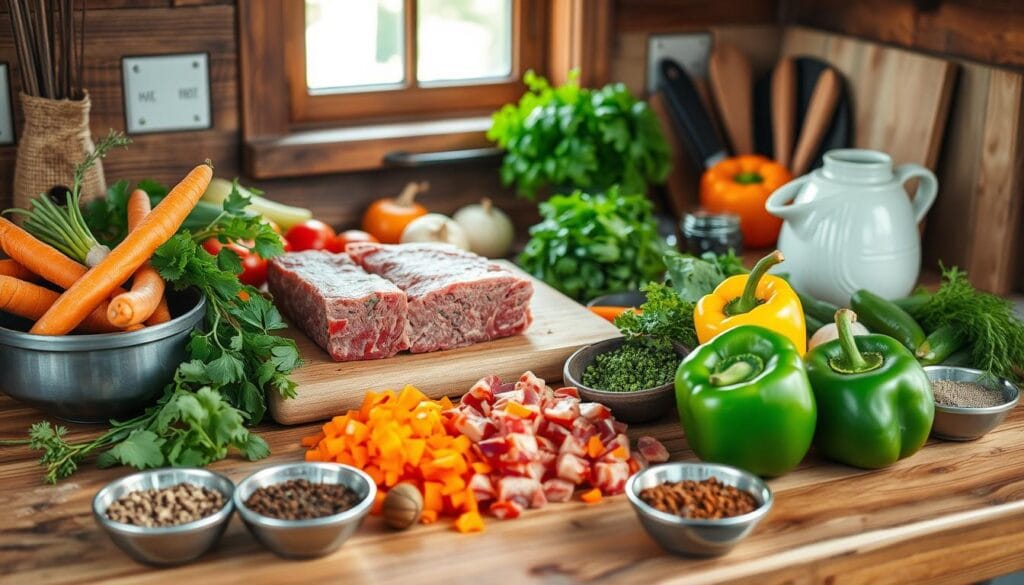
353	43
463	39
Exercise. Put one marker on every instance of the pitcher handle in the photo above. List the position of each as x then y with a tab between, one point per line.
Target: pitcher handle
926	190
778	202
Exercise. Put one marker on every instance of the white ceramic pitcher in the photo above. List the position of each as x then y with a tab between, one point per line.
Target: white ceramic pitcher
851	226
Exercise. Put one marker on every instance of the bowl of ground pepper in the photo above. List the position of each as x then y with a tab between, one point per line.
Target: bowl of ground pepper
969	403
165	516
305	510
635	378
698	509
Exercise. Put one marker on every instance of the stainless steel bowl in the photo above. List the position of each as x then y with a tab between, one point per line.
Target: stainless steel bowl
697	537
296	539
172	545
956	423
629	407
94	378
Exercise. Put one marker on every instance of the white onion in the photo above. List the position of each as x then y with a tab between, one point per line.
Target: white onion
489	229
435	228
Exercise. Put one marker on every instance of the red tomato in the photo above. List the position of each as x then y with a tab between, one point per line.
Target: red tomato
254	268
337	243
311	234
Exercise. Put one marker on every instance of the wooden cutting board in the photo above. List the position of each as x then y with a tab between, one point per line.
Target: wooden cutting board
900	98
327	388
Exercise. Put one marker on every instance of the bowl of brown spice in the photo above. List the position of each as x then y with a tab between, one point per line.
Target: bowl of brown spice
698	509
968	403
305	510
165	516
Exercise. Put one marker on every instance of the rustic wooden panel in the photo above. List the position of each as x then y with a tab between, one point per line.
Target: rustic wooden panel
946	235
993	259
580	38
669	15
113	34
900	99
990	31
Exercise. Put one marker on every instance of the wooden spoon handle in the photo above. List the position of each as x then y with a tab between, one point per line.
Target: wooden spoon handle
784	110
819	115
730	74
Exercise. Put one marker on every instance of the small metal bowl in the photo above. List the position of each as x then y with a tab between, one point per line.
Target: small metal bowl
171	545
691	537
959	423
629	407
633	298
95	378
298	539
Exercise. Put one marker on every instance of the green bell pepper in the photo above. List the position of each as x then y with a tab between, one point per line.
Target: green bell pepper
744	399
875	402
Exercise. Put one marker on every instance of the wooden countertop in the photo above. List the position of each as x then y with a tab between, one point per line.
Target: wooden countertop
954	512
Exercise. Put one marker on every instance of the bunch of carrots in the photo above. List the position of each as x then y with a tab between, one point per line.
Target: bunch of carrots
93	300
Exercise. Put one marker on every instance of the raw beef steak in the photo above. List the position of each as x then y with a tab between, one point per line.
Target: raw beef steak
455	297
351	314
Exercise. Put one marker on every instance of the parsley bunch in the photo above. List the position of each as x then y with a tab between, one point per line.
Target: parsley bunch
204	412
582	138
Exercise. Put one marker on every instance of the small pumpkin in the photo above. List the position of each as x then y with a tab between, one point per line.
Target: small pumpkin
387	218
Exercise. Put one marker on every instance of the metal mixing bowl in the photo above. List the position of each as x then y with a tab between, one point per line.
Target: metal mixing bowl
171	545
317	537
628	407
94	378
697	537
956	423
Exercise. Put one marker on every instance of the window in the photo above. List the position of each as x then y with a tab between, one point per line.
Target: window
365	78
356	60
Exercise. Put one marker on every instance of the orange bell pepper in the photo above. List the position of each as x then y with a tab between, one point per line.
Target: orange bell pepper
740	185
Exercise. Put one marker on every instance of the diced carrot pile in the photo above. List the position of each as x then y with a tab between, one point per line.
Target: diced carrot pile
402	438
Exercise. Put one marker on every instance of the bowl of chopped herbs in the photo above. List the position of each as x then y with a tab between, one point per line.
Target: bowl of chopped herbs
631	376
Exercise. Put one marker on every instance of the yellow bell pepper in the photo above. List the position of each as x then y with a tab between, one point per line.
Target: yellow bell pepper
753	299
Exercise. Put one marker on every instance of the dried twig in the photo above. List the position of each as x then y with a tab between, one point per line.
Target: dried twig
50	50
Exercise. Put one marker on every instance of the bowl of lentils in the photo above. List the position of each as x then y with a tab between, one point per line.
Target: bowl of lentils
968	402
634	377
165	517
305	510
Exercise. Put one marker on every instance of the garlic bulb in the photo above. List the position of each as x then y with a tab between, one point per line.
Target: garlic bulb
830	332
437	228
489	229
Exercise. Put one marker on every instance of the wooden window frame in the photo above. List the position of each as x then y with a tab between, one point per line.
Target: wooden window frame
288	133
408	99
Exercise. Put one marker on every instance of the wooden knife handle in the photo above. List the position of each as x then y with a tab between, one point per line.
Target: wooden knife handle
784	110
819	115
731	76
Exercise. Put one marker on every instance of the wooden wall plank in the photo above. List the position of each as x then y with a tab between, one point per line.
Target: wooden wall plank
997	218
990	31
668	15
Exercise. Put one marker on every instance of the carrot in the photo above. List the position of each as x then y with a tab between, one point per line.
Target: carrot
12	268
147	292
592	497
609	313
37	257
30	301
89	291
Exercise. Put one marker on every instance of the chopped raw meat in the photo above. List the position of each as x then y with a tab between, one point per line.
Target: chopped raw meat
351	314
652	449
558	490
456	298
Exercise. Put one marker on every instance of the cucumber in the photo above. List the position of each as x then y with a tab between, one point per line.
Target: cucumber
823	311
887	318
914	302
813	324
939	345
960	358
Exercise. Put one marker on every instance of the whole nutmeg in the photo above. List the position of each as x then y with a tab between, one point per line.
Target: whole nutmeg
403	505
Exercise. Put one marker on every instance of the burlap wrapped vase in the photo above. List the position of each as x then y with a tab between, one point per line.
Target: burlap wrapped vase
56	138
